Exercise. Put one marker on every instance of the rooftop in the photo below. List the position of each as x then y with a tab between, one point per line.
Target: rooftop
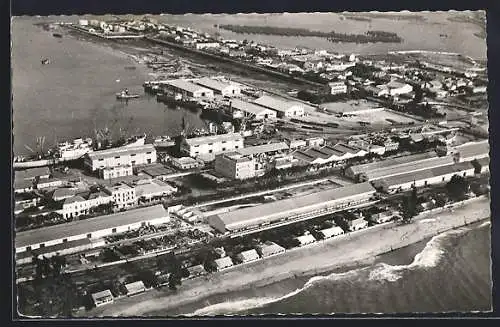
31	173
474	149
357	169
186	85
284	208
102	294
213	138
153	187
276	103
249	255
224	262
213	83
247	106
264	148
80	227
121	151
74	199
63	192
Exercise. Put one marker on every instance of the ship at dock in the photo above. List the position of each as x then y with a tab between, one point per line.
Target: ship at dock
163	142
178	100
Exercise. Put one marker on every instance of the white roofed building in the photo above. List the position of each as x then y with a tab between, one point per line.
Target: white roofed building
212	145
122	156
219	87
135	288
248	256
306	239
251	110
102	298
223	263
189	89
332	231
283	107
269	249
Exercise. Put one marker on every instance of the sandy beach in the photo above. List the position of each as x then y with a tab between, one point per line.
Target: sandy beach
359	247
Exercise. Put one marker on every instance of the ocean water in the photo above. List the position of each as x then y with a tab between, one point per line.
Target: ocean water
449	273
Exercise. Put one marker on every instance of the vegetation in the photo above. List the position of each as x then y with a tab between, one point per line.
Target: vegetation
457	188
370	36
409	206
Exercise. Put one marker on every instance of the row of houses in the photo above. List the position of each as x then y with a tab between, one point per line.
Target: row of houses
329	154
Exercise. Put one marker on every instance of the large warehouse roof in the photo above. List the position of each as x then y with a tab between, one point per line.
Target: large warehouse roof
80	227
263	148
247	107
121	151
409	167
214	138
275	103
358	169
284	208
213	84
186	86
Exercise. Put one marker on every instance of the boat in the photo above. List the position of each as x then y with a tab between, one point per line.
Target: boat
177	101
75	149
125	95
57	35
45	61
163	142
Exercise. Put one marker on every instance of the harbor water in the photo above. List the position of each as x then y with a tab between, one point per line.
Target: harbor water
449	273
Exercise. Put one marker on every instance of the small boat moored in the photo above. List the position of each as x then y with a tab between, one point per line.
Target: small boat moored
125	95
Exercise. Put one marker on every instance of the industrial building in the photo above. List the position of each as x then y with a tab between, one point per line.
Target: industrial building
283	108
148	190
189	89
211	145
269	148
122	156
426	177
328	154
223	88
310	205
240	108
93	228
234	165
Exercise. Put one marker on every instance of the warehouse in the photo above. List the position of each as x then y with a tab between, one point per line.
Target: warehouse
248	256
189	89
332	231
234	165
251	110
354	172
92	228
283	108
269	249
122	156
223	263
214	144
269	148
426	177
328	154
297	207
219	87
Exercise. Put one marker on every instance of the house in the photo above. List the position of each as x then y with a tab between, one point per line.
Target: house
306	239
78	205
269	249
283	108
315	141
123	195
207	45
235	165
223	263
102	298
296	143
248	256
358	224
196	271
337	88
135	288
332	231
382	217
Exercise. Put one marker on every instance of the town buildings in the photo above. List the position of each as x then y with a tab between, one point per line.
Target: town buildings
269	249
117	171
122	156
186	163
102	298
235	165
211	145
332	231
189	89
79	205
306	239
357	224
135	288
240	108
149	190
310	205
248	256
337	88
223	263
283	108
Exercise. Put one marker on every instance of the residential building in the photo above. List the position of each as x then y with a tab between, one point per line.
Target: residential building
115	172
248	256
207	45
196	271
135	288
124	196
78	205
247	109
337	88
306	239
213	144
148	190
189	89
92	228
283	108
32	174
382	217
43	183
219	87
310	206
102	298
269	249
357	224
223	263
282	162
186	163
235	165
63	193
122	156
332	231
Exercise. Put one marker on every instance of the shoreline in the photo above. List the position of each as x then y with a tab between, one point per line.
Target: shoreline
320	257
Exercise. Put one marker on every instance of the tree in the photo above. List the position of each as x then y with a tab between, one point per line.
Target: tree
409	206
457	187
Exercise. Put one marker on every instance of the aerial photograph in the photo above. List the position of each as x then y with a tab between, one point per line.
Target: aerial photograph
212	165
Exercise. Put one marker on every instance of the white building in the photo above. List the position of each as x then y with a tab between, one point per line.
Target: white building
337	88
44	183
147	190
122	156
382	217
358	224
397	88
306	239
331	232
296	143
92	229
214	144
269	249
78	205
135	288
248	256
207	45
315	141
223	263
102	298
124	196
189	89
284	108
114	172
185	163
235	165
224	88
251	110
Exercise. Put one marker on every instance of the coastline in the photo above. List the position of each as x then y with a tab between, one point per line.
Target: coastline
353	250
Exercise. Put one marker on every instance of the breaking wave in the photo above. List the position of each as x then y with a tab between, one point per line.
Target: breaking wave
429	257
